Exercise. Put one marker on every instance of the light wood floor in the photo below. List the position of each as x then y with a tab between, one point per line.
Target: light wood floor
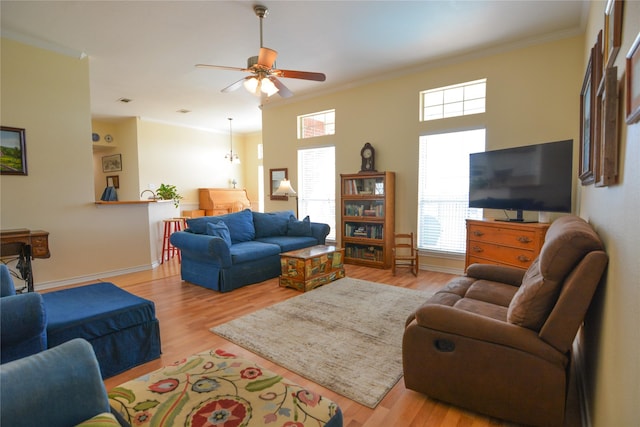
186	312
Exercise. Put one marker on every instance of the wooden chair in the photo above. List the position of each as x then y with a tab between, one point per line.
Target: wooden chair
404	253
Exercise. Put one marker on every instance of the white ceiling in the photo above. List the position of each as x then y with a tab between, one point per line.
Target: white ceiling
146	50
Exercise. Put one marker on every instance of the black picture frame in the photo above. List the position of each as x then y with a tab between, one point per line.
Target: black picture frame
13	151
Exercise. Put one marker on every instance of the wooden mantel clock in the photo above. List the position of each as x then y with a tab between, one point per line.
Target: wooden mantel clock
368	155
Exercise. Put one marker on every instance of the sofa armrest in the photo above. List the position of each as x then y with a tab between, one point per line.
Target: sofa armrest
24	326
202	247
320	231
59	386
496	273
474	326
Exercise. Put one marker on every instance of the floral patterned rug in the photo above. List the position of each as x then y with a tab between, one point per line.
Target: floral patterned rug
345	336
216	388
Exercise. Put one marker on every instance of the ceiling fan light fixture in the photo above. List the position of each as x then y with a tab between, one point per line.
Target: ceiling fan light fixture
268	87
251	84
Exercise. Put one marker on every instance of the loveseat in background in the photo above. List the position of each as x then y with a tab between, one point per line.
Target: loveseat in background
227	252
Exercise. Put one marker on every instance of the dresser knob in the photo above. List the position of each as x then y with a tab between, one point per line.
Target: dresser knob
523	258
478	233
477	249
524	239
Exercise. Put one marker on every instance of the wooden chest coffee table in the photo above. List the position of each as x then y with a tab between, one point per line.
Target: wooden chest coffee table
308	268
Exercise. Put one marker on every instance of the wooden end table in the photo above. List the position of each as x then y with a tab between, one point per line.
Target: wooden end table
308	268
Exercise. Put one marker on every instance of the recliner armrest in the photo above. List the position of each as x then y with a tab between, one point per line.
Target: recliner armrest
56	387
470	325
496	273
24	325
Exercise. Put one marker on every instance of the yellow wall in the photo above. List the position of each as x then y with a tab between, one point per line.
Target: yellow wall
47	94
531	98
611	332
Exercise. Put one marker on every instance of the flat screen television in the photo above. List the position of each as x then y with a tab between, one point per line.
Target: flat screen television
530	178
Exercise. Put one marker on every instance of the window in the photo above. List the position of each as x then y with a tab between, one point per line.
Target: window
317	124
452	101
317	186
443	189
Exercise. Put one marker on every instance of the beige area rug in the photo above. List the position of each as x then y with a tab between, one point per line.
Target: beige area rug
345	336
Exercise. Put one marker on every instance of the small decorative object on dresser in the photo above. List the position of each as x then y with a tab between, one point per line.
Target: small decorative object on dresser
368	155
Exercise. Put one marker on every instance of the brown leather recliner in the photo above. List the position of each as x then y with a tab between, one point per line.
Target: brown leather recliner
498	340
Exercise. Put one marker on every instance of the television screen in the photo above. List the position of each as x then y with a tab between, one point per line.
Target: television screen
532	178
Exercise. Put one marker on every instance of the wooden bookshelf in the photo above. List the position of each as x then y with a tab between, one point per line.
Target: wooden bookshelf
368	218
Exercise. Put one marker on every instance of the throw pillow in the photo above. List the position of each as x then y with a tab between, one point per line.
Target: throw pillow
299	228
271	223
219	229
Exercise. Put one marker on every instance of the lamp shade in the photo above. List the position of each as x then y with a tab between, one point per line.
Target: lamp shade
285	189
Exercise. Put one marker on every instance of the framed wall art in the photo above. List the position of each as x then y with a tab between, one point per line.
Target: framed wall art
612	31
13	151
606	170
112	163
633	82
586	126
113	181
275	176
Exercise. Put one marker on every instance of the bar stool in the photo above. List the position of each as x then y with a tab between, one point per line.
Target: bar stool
171	225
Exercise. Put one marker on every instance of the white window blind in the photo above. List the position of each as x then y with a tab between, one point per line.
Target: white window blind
443	192
317	186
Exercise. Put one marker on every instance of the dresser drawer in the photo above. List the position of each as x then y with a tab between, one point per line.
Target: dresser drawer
504	236
502	254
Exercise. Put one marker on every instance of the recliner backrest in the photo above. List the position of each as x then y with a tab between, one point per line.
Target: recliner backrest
568	241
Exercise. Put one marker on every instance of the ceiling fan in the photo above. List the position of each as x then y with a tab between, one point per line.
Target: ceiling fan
264	75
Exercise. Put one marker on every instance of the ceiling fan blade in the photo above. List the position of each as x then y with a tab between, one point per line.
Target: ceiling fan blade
221	67
283	91
267	57
305	75
234	86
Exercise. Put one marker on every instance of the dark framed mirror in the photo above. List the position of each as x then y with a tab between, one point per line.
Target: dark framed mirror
275	176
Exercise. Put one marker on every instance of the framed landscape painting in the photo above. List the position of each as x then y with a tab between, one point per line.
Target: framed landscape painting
13	151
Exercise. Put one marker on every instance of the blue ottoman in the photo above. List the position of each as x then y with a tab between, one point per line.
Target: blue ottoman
121	327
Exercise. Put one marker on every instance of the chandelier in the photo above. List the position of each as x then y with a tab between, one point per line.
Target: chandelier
231	156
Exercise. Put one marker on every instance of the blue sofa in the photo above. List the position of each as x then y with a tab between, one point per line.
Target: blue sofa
227	252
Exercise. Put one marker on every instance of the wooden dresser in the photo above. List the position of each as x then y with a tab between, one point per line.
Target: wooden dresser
504	243
219	201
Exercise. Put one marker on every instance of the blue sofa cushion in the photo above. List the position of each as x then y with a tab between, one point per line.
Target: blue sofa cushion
299	228
287	243
271	223
240	225
251	251
219	229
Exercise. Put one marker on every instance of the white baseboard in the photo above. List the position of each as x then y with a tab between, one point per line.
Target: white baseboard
98	276
440	269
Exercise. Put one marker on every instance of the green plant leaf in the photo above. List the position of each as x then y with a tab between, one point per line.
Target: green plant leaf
263	383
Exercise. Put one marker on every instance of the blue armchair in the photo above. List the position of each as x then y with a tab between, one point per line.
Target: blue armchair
23	318
61	386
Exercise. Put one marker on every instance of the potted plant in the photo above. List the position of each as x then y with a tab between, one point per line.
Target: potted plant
169	192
